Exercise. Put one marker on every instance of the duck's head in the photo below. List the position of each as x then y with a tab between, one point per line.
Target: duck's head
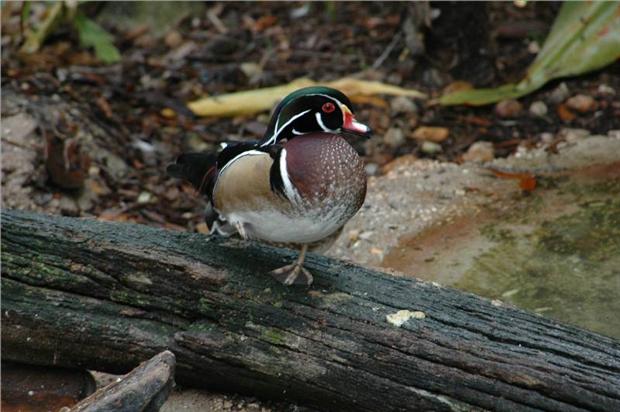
311	110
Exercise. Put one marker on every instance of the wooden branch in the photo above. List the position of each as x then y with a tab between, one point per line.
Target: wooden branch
145	388
78	292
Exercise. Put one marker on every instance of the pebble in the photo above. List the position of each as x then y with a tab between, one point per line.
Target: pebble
582	103
480	152
431	134
371	169
144	197
509	108
430	147
546	137
394	137
403	104
533	47
559	94
538	108
604	89
571	135
173	39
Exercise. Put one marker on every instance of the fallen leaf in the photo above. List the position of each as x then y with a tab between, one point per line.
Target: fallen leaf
264	22
527	181
258	100
564	113
370	100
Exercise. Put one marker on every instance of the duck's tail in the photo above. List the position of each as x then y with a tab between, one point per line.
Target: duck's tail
200	169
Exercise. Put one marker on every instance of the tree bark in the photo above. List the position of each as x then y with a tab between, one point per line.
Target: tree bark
106	296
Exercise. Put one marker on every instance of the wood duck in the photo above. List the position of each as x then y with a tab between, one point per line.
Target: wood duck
297	186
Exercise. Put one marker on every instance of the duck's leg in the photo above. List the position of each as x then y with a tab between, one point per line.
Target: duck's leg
290	274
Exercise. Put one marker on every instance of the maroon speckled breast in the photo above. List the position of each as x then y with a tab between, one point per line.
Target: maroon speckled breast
327	171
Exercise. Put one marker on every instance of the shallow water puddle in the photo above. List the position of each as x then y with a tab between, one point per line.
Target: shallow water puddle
555	252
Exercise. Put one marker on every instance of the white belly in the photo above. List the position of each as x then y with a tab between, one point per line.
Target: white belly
274	226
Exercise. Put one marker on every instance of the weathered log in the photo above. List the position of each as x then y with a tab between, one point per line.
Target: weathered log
83	293
144	389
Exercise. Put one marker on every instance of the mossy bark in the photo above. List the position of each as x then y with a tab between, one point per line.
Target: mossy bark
106	296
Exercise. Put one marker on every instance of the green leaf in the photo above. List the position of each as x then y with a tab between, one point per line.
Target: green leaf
585	36
93	35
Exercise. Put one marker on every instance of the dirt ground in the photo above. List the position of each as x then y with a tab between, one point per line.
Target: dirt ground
81	138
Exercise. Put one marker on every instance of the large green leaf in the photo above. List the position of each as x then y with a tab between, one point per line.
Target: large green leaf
585	36
93	35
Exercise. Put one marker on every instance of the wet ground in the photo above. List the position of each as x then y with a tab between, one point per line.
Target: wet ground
554	250
557	253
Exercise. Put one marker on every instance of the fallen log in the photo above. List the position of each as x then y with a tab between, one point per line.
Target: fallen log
107	296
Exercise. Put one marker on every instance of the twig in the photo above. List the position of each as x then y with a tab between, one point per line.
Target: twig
387	50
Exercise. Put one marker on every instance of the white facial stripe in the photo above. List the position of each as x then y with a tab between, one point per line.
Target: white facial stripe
278	130
289	189
319	120
297	133
274	137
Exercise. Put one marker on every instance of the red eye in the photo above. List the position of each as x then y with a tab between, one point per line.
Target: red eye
328	107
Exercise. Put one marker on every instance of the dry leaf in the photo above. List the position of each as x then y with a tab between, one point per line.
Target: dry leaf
527	181
565	114
258	100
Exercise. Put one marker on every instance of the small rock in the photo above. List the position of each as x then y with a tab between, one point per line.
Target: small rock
299	12
144	197
509	108
572	135
402	104
371	169
582	103
546	137
533	47
480	152
251	70
431	134
394	137
606	90
538	109
354	235
173	39
559	94
430	147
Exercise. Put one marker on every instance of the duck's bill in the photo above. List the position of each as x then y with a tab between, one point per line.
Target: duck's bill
351	125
